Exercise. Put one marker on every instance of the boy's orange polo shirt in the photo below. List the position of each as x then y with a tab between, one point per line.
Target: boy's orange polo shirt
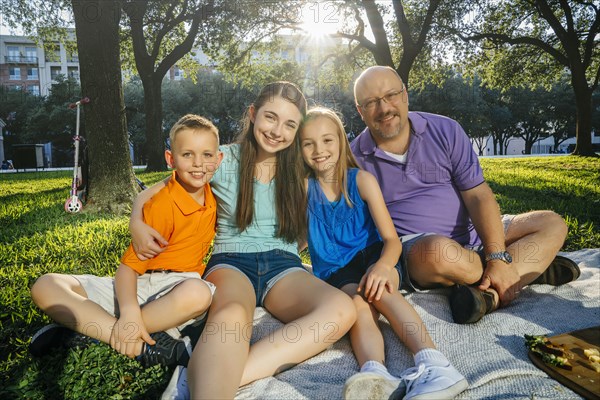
188	227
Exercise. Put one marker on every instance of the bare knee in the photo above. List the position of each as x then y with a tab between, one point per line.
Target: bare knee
43	291
555	224
548	223
230	312
343	311
195	297
439	261
363	308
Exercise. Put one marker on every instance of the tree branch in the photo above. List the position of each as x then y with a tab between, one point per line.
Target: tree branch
382	47
547	13
363	41
433	6
136	10
167	26
591	43
402	23
568	15
503	38
180	50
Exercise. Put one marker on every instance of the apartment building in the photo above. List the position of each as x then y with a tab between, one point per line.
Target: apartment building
27	66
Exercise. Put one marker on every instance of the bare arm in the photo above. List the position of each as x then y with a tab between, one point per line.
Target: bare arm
378	276
485	214
146	241
129	332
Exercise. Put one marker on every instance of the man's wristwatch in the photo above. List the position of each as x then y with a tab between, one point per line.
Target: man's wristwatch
501	255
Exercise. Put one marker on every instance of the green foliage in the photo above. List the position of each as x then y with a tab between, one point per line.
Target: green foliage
15	106
531	114
38	237
567	185
210	95
520	46
52	120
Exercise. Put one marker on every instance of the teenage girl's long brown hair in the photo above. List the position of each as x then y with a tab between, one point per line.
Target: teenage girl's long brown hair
290	196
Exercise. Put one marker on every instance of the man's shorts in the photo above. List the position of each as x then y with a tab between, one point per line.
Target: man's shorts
408	241
150	286
357	267
263	269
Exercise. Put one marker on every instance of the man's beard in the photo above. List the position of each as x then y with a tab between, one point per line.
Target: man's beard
388	135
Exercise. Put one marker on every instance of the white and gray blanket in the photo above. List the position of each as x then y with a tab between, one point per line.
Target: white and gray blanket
491	354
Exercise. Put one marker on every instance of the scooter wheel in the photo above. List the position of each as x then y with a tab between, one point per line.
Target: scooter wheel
73	205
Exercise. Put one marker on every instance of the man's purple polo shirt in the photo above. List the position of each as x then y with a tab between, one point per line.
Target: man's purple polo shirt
423	195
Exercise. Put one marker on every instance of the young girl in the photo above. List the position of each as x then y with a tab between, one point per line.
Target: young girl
254	260
354	246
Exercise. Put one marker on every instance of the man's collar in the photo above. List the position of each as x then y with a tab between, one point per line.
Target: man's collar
184	201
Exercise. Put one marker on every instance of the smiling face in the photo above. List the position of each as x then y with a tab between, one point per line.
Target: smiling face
320	144
387	120
275	125
196	156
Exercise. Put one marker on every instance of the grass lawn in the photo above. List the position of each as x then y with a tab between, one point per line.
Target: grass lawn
37	236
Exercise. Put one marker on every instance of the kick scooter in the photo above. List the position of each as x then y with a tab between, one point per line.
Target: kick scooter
73	203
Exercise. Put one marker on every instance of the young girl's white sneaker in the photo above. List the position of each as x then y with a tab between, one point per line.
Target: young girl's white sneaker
433	382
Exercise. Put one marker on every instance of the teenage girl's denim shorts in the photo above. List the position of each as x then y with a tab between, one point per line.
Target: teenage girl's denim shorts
263	269
357	267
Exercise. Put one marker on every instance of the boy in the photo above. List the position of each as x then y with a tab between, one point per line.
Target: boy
130	311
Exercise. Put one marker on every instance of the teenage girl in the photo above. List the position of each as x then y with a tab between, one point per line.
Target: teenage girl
354	246
255	259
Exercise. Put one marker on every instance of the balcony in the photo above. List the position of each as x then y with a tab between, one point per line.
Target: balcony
20	60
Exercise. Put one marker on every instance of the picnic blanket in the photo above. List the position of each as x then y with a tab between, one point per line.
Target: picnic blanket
491	353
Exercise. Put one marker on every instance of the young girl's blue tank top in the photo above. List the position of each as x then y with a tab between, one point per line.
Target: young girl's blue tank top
336	231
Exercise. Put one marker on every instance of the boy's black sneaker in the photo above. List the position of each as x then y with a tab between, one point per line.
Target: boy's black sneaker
167	351
194	330
54	336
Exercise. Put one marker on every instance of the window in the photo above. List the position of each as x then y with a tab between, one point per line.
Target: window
52	51
13	54
30	54
54	72
177	74
32	74
15	73
72	56
34	89
73	72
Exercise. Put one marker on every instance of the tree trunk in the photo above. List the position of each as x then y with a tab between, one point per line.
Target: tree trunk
406	63
583	100
528	145
155	143
111	185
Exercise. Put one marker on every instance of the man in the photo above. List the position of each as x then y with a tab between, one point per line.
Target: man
446	214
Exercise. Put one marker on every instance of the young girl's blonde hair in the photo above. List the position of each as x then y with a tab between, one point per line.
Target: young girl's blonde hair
346	159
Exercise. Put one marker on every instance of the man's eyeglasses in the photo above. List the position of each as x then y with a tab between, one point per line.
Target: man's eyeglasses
390	98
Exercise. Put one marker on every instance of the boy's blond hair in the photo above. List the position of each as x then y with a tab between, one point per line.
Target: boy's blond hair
193	122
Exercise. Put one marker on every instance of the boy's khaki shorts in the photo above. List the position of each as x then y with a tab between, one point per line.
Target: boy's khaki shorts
150	286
